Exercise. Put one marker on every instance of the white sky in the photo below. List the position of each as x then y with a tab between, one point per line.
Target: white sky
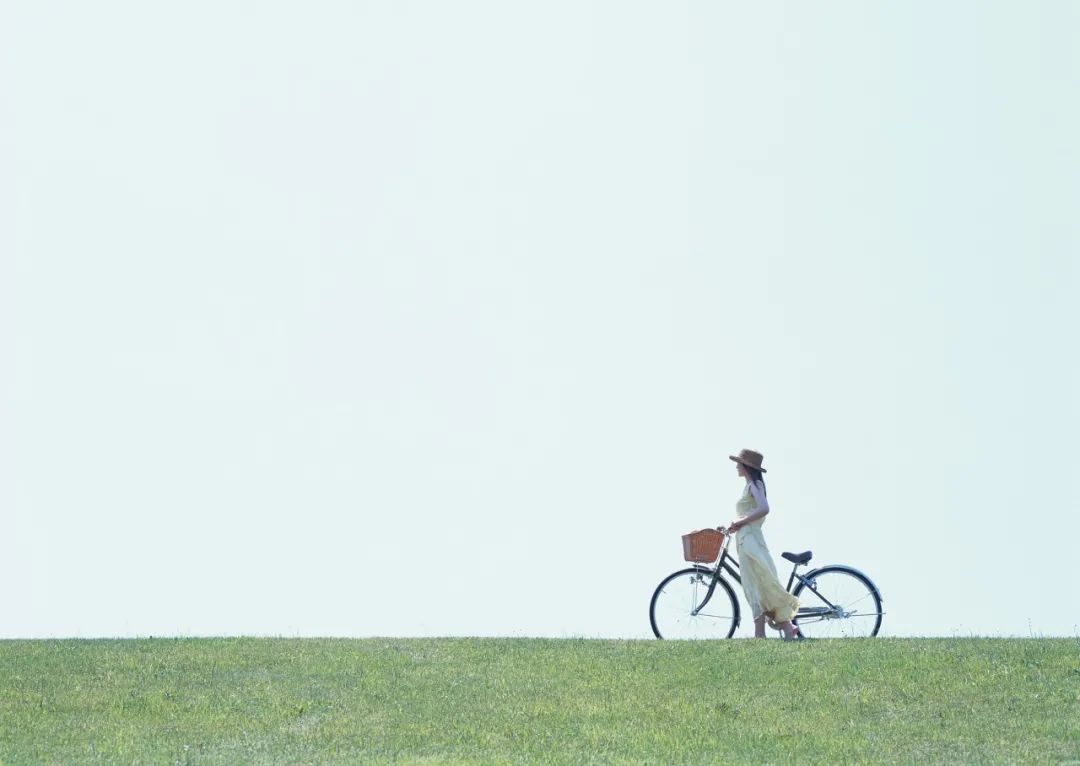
423	318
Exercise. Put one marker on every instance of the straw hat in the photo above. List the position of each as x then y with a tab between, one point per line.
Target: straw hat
750	458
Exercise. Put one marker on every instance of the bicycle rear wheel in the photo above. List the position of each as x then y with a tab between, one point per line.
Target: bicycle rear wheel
839	602
680	595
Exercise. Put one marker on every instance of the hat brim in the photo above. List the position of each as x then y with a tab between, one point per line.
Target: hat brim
748	465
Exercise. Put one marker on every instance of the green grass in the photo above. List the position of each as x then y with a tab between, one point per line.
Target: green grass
959	700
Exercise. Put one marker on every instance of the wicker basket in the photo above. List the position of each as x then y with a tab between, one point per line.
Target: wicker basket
703	545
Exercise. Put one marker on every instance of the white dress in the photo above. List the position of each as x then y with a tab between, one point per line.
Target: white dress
760	581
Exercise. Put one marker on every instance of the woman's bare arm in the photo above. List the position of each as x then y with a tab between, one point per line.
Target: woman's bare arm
762	507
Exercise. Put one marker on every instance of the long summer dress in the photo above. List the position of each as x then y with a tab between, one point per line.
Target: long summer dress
760	581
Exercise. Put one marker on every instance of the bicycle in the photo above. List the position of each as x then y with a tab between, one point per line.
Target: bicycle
699	603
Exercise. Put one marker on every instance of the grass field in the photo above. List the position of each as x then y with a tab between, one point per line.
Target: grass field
249	700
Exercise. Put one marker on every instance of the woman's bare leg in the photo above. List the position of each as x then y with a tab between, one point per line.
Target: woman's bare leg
759	627
788	628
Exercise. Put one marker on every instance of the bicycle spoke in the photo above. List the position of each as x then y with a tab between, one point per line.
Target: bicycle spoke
847	606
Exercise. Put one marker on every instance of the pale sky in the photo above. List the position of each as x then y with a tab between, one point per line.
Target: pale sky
426	318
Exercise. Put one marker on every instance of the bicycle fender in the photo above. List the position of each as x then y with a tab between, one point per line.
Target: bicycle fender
708	571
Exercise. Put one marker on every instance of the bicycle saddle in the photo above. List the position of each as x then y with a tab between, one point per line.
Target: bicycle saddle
798	558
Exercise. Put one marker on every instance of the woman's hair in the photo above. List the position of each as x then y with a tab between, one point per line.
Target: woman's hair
756	478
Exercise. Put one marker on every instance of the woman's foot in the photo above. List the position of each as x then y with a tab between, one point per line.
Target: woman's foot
789	630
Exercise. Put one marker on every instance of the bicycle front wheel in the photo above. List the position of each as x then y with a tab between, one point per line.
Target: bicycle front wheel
694	604
837	602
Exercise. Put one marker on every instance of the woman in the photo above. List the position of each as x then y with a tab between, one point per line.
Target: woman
761	584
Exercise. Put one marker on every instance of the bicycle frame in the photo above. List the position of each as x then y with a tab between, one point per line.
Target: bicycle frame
727	563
